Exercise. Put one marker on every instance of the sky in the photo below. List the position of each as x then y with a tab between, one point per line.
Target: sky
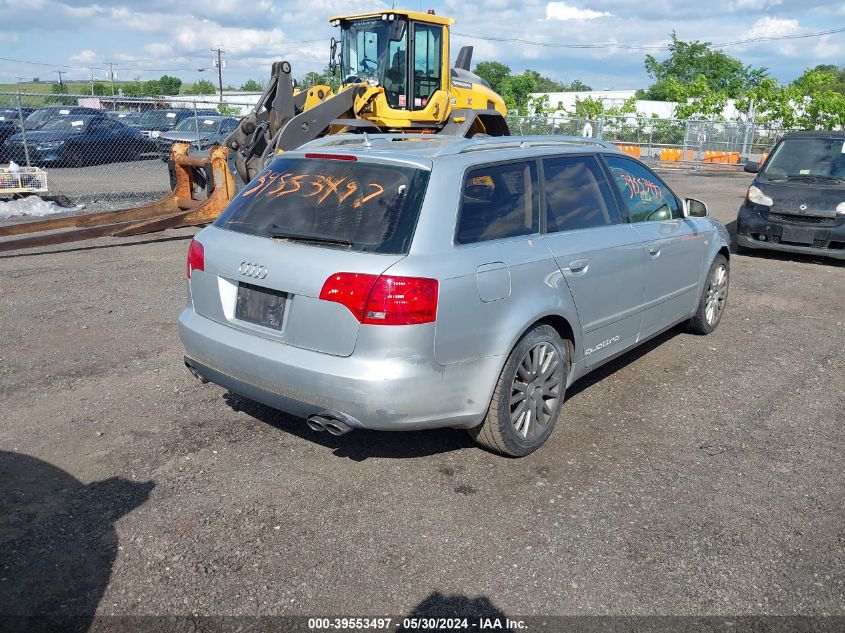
147	38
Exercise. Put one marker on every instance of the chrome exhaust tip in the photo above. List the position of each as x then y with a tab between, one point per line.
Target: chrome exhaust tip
326	422
194	372
316	423
338	428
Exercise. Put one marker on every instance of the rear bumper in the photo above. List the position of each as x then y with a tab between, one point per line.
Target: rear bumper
754	230
373	393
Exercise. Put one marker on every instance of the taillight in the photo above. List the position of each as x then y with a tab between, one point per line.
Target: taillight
384	300
351	290
196	258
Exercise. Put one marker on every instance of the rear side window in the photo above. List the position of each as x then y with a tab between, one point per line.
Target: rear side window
646	197
499	201
577	194
340	203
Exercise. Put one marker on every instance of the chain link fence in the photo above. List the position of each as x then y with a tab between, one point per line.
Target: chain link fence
111	152
107	152
670	140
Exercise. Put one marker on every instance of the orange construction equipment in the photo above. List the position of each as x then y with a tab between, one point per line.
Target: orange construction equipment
177	209
633	150
729	158
671	154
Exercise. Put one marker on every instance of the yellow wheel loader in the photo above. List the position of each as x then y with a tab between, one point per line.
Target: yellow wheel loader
396	77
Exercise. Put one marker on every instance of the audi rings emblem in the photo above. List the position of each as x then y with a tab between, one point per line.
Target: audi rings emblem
252	270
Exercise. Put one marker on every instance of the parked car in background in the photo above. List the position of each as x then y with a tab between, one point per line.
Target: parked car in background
797	200
75	141
38	118
153	122
10	124
200	132
392	284
127	118
13	115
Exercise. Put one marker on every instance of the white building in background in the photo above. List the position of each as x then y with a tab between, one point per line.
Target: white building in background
244	101
617	98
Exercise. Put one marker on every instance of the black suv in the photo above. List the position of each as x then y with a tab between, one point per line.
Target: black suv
797	201
39	118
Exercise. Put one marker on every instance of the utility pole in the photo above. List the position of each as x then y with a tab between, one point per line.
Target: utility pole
219	64
23	127
111	76
92	81
61	83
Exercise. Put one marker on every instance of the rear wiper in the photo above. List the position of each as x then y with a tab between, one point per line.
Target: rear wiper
302	237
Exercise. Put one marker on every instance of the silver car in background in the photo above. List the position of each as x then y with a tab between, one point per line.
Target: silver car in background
397	283
201	132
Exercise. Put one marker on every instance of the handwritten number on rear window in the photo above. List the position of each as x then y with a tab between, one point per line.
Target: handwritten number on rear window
322	187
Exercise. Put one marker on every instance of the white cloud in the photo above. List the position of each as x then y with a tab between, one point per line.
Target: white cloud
756	5
566	12
159	49
84	57
773	27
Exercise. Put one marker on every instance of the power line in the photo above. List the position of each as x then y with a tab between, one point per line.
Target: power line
71	66
646	48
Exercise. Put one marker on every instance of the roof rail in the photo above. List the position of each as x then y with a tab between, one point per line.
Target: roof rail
526	142
335	140
456	144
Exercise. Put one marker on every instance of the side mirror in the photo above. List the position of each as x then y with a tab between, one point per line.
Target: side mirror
333	56
694	208
397	30
752	167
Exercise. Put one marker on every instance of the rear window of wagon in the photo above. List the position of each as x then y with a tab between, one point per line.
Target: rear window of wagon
357	205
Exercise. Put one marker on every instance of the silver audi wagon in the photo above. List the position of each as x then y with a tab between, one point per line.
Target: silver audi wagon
394	282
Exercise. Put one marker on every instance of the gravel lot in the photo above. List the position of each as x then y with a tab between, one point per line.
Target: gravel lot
693	476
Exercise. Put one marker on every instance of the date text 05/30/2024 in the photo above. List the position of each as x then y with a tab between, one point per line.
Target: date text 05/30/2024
416	624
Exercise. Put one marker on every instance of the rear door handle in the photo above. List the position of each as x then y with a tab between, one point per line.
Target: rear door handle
654	250
579	265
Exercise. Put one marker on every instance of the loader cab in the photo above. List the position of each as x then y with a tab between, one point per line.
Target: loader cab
405	53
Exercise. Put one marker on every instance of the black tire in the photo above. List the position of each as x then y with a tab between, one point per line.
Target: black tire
499	431
714	295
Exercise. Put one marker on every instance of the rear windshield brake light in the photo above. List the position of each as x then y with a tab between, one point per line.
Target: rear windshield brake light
331	156
385	299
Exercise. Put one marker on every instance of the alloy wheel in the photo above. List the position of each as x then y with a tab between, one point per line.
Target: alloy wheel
717	292
536	390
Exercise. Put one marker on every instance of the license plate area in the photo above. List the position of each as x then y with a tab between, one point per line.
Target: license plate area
261	306
797	235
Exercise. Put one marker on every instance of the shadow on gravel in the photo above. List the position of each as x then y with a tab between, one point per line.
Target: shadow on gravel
626	359
361	445
358	445
455	608
57	542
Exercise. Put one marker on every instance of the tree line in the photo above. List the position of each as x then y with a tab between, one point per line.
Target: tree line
701	80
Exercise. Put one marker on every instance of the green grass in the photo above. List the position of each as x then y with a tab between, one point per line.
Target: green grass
74	87
71	87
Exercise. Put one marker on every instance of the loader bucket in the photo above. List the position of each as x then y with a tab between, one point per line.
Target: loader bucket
177	209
